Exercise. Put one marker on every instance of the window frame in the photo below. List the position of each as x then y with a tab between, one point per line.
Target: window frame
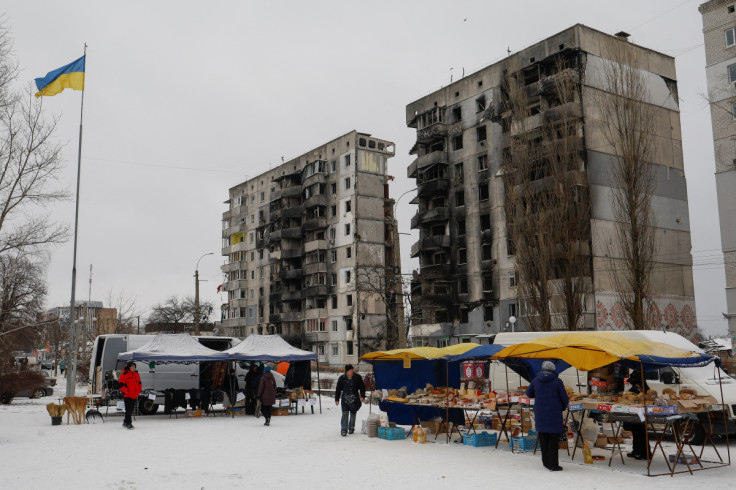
732	30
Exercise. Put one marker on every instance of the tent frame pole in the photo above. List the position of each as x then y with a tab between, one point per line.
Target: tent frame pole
646	418
725	420
319	387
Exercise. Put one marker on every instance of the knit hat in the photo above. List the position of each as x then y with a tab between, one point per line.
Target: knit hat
348	367
548	366
129	365
267	369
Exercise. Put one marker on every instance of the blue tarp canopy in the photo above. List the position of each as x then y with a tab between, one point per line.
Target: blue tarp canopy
173	348
526	368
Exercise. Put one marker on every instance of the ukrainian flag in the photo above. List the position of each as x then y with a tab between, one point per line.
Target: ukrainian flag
69	76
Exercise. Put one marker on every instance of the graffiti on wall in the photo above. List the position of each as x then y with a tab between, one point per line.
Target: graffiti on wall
674	314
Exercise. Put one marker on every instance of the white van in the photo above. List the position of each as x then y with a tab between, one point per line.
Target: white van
704	380
104	361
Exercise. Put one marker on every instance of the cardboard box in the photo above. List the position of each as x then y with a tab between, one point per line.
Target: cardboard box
689	406
279	412
601	441
436	426
614	440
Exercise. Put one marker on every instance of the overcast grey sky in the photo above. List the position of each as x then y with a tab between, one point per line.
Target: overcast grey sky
185	99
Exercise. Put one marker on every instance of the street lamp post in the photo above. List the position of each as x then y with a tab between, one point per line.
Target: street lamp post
196	294
512	321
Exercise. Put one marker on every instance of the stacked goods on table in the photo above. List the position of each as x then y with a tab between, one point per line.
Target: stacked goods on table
462	397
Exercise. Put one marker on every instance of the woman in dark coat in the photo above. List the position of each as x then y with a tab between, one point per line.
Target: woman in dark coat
351	390
267	393
638	431
252	381
550	400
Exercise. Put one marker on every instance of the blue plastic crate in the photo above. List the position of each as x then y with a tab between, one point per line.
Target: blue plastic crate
480	440
391	433
525	443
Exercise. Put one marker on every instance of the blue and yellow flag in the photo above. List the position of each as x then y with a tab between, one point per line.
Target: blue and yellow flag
69	76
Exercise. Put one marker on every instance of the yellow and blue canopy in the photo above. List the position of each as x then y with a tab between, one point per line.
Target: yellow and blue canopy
68	76
590	350
418	353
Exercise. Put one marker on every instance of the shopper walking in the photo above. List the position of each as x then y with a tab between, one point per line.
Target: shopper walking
550	399
267	393
252	381
130	385
351	391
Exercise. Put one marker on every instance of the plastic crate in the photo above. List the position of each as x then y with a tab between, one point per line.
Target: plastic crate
391	433
480	440
524	443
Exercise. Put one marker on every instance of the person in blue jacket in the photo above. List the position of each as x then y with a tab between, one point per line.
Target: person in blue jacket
550	400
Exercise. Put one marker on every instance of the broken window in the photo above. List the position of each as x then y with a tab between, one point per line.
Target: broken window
333	188
347	160
361	141
461	227
483	193
457	114
485	222
457	142
347	229
480	104
348	206
462	256
480	132
463	286
487	283
460	198
347	183
482	162
486	252
349	301
348	252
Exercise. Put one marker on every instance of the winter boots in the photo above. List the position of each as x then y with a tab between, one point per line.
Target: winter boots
343	433
268	421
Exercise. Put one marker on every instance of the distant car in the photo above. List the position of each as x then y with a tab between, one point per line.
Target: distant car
47	364
49	379
37	392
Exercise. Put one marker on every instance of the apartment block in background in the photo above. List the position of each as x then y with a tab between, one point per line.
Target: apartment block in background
311	251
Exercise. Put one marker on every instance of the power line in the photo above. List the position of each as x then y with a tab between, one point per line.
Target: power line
659	15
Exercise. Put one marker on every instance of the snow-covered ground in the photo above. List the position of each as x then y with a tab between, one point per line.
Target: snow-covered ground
304	451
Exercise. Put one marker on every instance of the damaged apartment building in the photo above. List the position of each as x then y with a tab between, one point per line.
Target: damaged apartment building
467	287
311	252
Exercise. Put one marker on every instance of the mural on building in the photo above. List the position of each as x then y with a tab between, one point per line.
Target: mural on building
673	313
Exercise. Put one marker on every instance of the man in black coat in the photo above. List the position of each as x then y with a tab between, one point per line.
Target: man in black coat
351	391
252	380
638	430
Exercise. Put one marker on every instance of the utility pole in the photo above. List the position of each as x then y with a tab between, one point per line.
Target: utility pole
196	294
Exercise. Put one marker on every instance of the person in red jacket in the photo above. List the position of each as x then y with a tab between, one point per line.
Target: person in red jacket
130	385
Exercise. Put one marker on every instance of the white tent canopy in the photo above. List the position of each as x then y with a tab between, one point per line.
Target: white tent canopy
179	347
268	348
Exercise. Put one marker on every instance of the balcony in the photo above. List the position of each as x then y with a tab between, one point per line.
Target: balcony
425	161
275	195
290	274
436	270
233	266
291	191
292	212
315	245
238	303
236	284
315	178
438	186
316	336
291	295
274	236
274	318
318	200
275	215
291	253
318	290
315	268
315	224
430	216
292	316
430	243
293	232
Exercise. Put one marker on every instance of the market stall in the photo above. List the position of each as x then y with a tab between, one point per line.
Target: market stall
589	351
401	372
167	349
272	348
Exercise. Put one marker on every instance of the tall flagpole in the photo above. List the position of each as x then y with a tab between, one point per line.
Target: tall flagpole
71	372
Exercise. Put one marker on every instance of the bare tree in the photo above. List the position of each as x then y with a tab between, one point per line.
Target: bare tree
22	294
30	162
546	194
174	310
627	122
122	316
379	286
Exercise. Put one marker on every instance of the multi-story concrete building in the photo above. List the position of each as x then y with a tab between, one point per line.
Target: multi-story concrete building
312	251
719	30
467	286
93	317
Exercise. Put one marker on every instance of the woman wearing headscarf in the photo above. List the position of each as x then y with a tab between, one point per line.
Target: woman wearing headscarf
267	393
550	400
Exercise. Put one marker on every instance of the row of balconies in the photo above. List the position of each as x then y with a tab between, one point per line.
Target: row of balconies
438	130
430	243
438	186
